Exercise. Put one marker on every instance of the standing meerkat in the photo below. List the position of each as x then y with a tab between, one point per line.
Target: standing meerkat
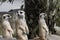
21	26
7	30
43	28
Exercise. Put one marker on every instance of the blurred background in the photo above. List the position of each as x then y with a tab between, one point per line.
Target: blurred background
32	9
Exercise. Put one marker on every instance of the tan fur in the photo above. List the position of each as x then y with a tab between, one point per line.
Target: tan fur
43	28
21	29
6	28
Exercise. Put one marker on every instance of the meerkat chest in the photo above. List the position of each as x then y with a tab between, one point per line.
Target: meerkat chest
6	33
20	25
6	24
42	22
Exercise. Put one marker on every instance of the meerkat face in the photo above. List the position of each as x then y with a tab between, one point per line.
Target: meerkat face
6	16
42	15
21	14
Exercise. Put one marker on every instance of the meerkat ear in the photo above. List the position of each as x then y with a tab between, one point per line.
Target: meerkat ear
22	7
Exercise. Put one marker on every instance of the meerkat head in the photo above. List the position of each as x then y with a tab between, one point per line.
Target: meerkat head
20	14
6	16
42	15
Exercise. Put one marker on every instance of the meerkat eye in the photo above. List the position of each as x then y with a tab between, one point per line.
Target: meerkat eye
8	16
21	12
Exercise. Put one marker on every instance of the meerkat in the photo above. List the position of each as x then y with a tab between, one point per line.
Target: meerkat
6	27
21	26
43	28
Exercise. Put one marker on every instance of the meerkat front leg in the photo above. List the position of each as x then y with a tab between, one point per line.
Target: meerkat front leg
27	29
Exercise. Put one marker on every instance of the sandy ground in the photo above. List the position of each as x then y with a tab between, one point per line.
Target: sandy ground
7	39
51	37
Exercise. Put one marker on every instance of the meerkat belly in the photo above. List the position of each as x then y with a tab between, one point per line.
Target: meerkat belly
43	30
7	30
44	25
21	32
6	34
21	27
21	35
42	33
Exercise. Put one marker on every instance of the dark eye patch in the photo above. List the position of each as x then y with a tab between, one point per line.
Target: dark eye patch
4	17
21	12
8	16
